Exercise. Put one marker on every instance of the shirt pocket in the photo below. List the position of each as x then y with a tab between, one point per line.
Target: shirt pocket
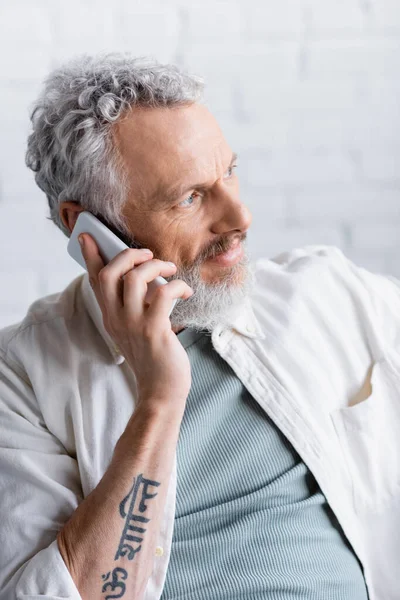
369	435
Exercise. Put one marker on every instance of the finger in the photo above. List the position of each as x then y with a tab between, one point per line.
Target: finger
159	309
110	281
93	260
136	284
94	265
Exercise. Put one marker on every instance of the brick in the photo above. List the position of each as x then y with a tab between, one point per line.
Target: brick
370	131
152	29
321	131
381	93
369	123
292	168
28	238
265	205
273	19
80	27
141	29
355	57
219	98
306	92
387	15
17	181
255	137
26	35
304	114
9	317
18	185
264	241
379	236
343	17
19	288
392	263
295	100
245	63
208	20
346	202
381	166
16	100
372	260
52	281
322	113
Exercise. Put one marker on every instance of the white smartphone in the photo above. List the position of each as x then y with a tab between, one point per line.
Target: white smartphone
109	245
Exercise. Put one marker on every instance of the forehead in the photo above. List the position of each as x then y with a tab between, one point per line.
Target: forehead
165	147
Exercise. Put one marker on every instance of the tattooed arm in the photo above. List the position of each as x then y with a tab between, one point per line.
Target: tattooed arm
108	545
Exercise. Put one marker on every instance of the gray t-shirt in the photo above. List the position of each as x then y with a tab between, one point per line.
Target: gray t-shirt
251	521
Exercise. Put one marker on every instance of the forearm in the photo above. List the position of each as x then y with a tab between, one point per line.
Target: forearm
96	543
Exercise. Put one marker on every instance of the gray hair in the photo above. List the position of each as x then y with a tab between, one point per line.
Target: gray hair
71	148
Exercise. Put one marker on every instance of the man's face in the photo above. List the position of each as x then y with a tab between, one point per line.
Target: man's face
184	195
183	202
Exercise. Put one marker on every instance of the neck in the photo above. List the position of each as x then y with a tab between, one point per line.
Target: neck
177	329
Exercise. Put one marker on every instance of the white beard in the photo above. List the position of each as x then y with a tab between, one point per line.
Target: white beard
215	302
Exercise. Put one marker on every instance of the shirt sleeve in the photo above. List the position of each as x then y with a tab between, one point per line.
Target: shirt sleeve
381	298
39	490
376	295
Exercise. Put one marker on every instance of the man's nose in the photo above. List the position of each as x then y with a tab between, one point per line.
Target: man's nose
236	216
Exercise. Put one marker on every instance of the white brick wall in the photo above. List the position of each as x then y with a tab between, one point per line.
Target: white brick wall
306	91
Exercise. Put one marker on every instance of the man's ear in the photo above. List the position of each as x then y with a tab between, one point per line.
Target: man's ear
69	212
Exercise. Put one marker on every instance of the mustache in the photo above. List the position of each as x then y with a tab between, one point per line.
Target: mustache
221	246
224	245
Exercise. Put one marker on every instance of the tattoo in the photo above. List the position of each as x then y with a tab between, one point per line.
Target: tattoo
115	583
125	549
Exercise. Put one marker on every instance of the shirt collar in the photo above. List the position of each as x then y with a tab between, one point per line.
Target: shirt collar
243	320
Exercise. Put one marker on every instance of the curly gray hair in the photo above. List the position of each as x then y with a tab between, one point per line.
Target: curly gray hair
71	149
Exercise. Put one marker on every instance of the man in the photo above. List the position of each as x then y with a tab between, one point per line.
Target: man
245	447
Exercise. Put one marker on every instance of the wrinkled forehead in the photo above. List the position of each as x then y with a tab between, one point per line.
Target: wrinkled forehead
162	148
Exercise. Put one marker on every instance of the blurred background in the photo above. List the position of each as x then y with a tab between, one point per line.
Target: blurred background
307	92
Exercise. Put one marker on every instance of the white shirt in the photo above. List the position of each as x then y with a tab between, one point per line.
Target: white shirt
303	345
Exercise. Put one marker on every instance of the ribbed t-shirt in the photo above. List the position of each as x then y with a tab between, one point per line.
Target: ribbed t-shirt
251	521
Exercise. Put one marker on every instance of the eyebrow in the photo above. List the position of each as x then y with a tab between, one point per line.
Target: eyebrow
178	192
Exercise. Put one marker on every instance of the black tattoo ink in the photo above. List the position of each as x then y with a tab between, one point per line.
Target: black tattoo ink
125	549
115	583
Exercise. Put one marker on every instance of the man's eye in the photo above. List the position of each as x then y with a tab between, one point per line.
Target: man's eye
230	171
192	196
